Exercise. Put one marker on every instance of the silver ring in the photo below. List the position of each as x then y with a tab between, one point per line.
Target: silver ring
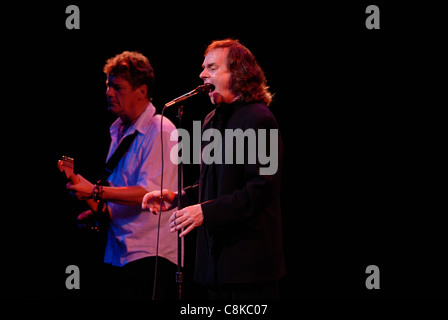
175	222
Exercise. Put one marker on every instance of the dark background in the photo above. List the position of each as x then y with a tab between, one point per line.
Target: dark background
360	112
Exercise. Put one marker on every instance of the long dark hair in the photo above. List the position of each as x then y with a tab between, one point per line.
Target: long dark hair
247	77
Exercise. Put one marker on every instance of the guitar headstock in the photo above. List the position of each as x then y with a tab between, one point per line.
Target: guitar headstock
67	166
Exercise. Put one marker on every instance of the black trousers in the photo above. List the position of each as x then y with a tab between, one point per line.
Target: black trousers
245	291
135	280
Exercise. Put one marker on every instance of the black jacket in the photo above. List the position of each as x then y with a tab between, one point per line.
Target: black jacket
240	240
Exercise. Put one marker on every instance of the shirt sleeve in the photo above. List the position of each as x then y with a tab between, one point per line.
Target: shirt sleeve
150	172
192	194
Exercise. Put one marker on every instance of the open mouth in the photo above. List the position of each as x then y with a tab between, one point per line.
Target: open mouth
212	86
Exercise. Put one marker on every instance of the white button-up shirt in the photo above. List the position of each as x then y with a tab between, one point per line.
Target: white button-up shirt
133	232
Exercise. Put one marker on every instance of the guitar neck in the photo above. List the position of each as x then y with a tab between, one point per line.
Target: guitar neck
67	166
74	179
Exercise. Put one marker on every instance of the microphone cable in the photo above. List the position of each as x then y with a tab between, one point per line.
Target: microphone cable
160	208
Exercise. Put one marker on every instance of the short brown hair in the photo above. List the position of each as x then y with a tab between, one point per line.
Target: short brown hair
247	78
134	67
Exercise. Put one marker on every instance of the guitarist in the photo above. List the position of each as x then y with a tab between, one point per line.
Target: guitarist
132	234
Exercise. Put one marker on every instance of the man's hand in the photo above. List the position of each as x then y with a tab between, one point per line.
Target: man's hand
83	218
83	190
189	218
151	201
85	215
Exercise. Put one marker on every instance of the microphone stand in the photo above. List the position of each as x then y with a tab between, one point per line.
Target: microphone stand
179	274
207	87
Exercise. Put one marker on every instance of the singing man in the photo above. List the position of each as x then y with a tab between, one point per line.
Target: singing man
236	209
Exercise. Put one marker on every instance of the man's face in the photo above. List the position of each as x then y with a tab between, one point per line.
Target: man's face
216	72
121	97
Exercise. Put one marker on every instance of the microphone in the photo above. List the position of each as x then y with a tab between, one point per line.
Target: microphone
206	88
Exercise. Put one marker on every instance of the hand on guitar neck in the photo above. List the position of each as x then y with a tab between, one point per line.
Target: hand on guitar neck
83	189
67	166
80	187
